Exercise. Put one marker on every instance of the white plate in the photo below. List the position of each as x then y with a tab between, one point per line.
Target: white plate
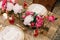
12	32
38	9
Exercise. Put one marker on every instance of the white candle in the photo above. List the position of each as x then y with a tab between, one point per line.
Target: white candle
5	16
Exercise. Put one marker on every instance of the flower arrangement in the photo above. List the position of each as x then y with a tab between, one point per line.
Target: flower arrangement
33	15
36	16
10	7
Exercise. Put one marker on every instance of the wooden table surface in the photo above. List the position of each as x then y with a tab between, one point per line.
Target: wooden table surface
29	34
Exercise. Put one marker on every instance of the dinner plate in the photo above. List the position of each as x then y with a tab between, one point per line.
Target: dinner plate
38	9
12	32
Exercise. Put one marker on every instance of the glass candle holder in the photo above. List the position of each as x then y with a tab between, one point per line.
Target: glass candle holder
11	20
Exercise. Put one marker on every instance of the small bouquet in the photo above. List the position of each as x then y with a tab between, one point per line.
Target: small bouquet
36	16
10	8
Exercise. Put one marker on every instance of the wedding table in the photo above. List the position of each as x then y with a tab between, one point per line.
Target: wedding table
53	28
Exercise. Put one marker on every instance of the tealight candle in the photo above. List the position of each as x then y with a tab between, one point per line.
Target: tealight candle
11	20
5	16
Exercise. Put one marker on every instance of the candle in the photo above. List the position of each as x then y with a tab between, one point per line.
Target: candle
11	20
5	16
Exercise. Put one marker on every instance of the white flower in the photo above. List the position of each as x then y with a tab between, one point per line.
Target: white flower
9	6
28	19
17	8
0	4
13	1
38	8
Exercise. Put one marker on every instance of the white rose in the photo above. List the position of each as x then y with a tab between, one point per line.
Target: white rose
17	8
9	6
28	19
38	8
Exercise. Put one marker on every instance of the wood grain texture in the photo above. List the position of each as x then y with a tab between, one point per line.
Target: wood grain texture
47	3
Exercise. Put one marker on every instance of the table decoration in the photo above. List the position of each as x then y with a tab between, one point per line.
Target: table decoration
36	17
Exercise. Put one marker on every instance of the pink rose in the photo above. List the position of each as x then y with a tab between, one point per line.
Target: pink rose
38	18
38	25
29	13
39	21
51	18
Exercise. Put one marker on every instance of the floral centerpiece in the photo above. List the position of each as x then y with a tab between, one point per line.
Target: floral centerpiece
10	8
36	16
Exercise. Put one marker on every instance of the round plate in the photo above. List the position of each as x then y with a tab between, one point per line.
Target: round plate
38	9
12	32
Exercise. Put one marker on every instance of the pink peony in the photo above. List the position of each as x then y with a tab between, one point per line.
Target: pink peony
51	18
29	13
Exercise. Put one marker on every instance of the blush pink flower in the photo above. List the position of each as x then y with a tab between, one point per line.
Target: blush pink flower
51	18
29	13
39	21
